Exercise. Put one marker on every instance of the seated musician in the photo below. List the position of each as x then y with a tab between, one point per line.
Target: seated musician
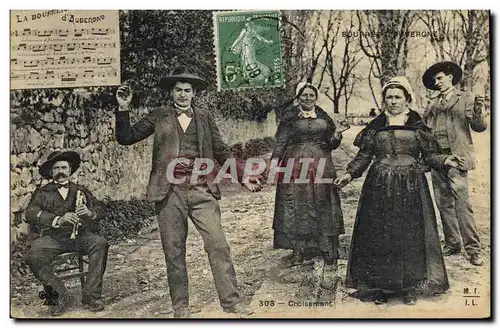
66	215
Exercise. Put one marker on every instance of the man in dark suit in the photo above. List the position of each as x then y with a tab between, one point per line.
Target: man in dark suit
451	115
66	216
182	130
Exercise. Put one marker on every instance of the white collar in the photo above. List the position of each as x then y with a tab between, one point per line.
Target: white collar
406	112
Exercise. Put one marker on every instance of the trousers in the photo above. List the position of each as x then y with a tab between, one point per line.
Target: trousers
451	190
197	203
44	250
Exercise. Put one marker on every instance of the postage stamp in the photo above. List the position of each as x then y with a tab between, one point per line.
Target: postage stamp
248	49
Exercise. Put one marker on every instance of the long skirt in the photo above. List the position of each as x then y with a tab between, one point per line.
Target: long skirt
395	243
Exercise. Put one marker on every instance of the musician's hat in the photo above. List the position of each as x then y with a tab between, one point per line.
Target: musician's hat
72	157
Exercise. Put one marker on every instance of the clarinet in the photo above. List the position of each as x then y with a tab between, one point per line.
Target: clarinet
80	199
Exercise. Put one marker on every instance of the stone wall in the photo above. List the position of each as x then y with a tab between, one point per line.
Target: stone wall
109	170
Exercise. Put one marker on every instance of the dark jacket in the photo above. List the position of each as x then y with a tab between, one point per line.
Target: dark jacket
47	203
285	134
162	123
459	116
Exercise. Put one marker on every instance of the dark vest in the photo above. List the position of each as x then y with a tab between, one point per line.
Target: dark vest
440	132
188	141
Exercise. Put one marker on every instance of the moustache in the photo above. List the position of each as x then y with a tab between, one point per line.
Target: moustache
61	175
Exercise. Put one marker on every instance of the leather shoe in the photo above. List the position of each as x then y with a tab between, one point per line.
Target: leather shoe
60	306
447	251
239	309
381	298
410	298
476	260
94	305
182	313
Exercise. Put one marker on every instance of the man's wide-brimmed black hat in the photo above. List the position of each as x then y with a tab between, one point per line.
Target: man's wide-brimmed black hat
72	157
183	74
444	66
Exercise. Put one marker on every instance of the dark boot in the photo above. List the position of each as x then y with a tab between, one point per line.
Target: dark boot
94	305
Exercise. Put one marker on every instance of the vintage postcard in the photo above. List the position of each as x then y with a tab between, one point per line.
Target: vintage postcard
279	164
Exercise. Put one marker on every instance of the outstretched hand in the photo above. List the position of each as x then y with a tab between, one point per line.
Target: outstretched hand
343	180
456	161
341	125
253	184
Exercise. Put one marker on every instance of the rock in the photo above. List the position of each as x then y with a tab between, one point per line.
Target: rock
57	141
25	177
83	131
14	161
20	203
26	140
95	158
61	128
38	125
93	137
48	117
31	159
15	180
107	165
46	134
58	117
90	167
31	188
52	127
73	143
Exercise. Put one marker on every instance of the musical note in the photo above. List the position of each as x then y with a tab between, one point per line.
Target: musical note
66	76
63	32
60	47
63	60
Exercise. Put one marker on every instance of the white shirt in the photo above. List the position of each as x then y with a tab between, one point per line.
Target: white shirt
399	119
64	191
184	120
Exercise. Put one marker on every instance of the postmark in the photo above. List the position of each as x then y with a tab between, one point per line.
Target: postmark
248	49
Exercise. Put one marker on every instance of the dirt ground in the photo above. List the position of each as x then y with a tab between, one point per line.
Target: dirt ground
135	284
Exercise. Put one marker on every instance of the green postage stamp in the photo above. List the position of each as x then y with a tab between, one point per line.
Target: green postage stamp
248	49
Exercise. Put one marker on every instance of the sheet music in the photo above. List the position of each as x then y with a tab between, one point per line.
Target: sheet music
64	48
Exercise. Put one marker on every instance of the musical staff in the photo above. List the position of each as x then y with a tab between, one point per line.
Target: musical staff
64	76
58	61
63	32
42	47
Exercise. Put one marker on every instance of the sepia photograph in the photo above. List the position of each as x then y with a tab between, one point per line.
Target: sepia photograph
250	164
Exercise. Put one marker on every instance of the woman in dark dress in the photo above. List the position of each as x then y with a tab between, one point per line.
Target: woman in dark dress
308	217
395	244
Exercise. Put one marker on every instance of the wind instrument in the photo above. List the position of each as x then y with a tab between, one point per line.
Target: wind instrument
80	199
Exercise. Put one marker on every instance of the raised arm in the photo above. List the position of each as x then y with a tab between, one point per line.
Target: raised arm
475	113
124	132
